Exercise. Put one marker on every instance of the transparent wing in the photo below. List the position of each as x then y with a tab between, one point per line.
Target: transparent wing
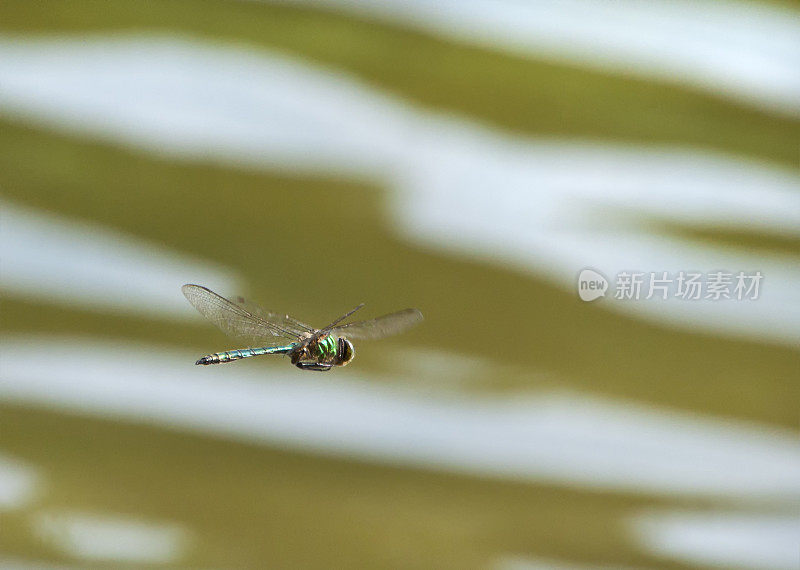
380	327
235	320
286	321
340	319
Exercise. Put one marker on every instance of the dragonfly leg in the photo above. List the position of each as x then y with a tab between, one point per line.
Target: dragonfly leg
314	366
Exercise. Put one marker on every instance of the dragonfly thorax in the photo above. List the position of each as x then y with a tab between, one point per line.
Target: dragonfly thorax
326	347
336	351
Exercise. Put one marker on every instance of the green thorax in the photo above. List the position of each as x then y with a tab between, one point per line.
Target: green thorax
326	347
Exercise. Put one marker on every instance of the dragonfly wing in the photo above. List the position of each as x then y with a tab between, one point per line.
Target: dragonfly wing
380	327
343	317
286	321
234	320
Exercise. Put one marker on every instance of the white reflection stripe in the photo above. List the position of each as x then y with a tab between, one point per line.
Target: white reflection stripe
512	562
54	259
724	539
107	537
18	483
547	206
745	51
553	438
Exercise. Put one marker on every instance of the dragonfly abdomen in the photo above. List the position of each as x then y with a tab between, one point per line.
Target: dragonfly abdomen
231	355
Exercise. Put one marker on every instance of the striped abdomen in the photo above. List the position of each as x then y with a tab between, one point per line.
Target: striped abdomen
231	355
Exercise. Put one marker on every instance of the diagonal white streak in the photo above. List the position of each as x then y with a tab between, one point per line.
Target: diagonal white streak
46	257
744	51
551	207
556	438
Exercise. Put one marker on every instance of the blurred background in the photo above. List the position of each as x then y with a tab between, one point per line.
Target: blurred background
466	158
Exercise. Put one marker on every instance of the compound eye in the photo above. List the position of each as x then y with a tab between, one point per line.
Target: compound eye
344	351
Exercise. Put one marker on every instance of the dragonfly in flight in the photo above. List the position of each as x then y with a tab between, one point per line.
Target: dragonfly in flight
308	348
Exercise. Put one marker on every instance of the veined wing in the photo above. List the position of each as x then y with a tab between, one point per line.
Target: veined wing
234	320
380	327
330	327
286	321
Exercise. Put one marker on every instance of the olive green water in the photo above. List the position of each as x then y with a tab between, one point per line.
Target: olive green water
249	506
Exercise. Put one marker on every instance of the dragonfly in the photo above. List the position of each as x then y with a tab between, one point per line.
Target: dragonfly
307	347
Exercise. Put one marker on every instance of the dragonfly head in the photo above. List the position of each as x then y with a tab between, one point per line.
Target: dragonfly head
344	351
